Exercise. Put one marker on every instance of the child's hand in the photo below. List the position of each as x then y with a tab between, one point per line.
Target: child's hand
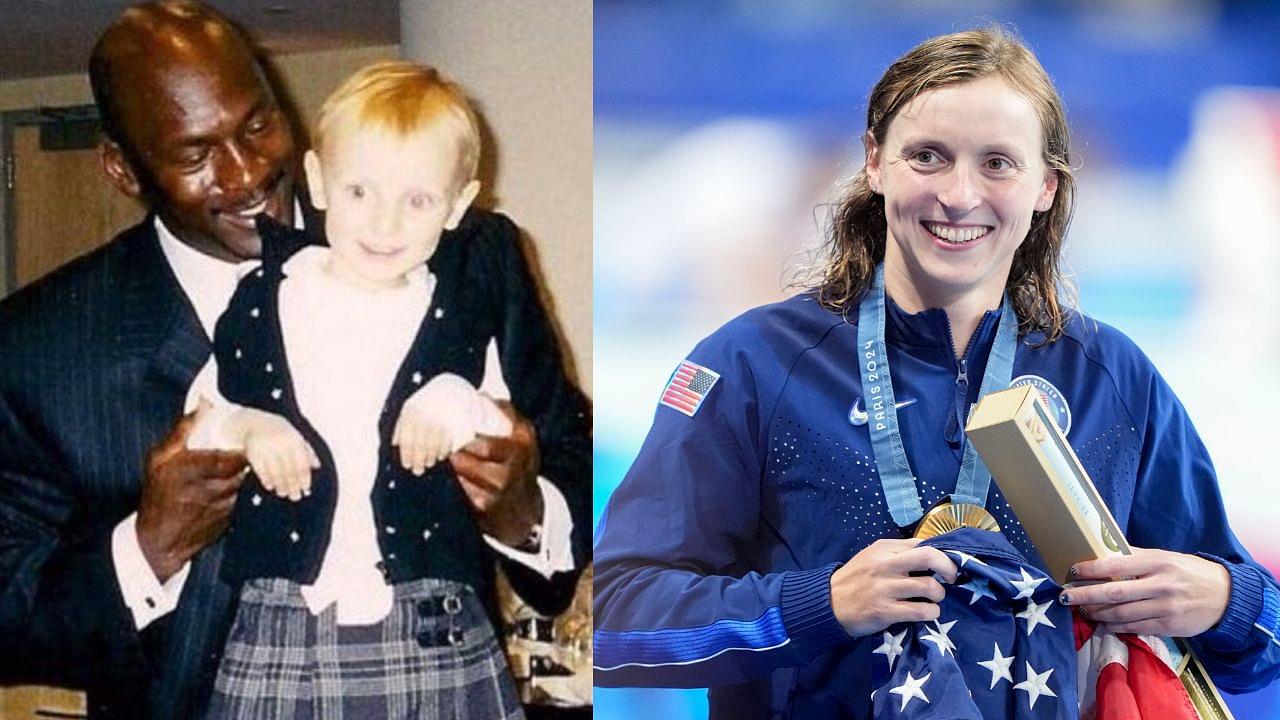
441	418
422	439
278	453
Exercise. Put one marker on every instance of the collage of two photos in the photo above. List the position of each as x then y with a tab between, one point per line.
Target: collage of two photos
425	359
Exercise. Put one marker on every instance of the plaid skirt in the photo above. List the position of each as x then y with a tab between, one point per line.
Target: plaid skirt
433	657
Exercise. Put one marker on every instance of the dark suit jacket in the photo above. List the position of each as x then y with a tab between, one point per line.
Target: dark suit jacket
95	362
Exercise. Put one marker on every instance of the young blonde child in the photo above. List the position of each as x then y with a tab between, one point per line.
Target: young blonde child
347	373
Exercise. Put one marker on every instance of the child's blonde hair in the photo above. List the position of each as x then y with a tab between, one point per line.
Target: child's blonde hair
404	97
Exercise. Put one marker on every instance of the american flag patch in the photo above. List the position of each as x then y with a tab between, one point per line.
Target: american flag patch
689	387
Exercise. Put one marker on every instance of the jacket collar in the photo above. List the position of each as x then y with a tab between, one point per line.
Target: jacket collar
156	321
927	334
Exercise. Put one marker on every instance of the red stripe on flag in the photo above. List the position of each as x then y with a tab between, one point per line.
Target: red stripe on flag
678	402
688	395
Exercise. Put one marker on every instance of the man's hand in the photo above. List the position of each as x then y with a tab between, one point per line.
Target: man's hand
1163	593
187	497
876	589
499	477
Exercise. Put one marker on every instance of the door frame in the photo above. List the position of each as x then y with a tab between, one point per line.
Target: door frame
10	120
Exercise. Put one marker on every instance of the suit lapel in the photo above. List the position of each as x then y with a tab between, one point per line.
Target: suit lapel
157	322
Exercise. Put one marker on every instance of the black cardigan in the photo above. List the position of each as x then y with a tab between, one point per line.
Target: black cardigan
425	527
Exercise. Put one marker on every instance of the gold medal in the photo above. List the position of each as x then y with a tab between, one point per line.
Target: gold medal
950	516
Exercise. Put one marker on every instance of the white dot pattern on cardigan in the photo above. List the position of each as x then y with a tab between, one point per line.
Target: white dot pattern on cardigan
254	312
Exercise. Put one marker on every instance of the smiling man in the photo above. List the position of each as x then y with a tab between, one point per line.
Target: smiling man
193	126
109	525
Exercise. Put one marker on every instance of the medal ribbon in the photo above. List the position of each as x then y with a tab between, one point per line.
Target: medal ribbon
896	478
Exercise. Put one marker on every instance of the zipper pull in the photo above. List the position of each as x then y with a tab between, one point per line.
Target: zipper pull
962	378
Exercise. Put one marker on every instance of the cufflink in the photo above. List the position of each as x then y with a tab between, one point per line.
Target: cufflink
532	542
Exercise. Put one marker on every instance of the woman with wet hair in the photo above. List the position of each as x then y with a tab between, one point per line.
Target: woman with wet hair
760	543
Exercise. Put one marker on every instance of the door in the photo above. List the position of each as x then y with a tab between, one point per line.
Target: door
60	205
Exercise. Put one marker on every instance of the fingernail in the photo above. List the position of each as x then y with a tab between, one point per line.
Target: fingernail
1065	598
1074	572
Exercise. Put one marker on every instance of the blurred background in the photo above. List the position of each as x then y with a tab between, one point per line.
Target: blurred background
722	126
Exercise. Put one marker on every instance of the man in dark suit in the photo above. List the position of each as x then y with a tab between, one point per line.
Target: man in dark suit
109	526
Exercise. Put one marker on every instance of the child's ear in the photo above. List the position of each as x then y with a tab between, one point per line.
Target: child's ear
461	203
315	180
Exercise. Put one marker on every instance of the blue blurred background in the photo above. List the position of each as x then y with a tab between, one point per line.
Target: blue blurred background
722	126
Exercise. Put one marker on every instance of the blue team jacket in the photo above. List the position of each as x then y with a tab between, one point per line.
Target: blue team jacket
713	557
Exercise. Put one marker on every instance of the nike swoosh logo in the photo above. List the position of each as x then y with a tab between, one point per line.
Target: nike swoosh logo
859	417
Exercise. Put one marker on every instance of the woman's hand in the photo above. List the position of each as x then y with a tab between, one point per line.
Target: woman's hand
1162	593
279	455
875	589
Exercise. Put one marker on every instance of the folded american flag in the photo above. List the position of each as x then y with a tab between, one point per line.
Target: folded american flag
1129	677
1002	648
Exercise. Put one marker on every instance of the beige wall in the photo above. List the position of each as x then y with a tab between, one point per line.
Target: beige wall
55	91
308	76
528	65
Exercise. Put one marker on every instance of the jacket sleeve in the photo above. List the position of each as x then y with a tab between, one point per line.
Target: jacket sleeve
675	603
62	616
532	361
1178	506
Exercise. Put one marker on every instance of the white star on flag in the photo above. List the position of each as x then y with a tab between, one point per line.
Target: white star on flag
1026	586
891	648
980	587
999	667
1035	685
1035	615
964	557
911	688
939	636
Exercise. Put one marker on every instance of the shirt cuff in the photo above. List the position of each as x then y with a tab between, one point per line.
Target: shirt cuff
145	596
556	552
807	614
1244	607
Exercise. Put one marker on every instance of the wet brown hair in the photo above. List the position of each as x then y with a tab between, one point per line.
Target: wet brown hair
856	234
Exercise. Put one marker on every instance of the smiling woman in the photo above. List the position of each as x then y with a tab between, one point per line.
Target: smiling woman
963	167
760	543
